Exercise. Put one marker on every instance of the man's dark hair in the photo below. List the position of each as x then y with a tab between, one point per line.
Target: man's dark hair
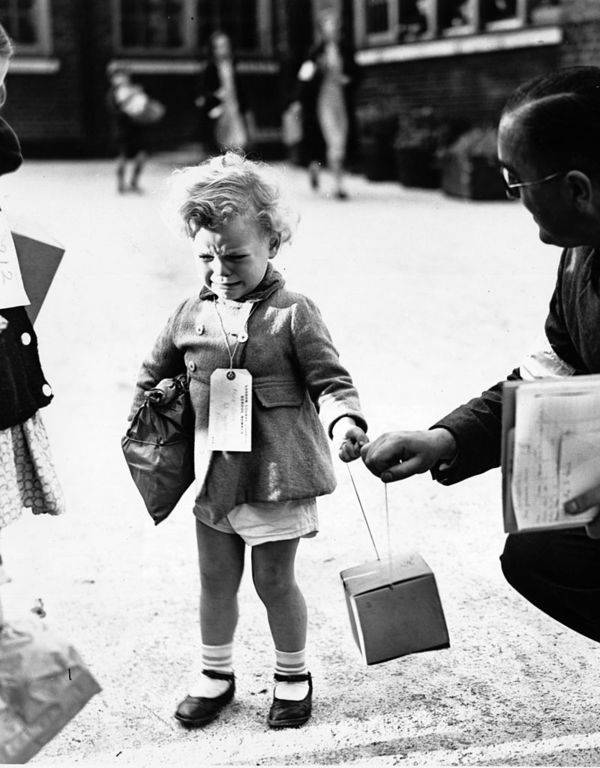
560	113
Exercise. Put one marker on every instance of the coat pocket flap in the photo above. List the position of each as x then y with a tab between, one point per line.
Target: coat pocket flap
275	394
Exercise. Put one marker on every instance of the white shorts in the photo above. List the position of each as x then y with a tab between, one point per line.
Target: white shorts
261	522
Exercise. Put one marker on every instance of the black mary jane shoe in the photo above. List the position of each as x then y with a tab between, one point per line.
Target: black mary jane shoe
196	711
286	713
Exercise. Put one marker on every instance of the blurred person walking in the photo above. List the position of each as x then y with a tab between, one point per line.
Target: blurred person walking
224	111
325	80
124	102
27	476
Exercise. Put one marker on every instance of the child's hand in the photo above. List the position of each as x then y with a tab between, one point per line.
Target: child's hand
350	439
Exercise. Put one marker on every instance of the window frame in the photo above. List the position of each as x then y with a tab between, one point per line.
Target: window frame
522	19
376	38
264	34
43	24
191	46
188	35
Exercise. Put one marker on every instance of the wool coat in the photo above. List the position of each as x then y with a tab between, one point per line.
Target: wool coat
296	377
23	387
572	328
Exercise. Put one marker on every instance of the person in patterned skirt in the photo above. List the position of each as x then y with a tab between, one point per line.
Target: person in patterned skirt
27	476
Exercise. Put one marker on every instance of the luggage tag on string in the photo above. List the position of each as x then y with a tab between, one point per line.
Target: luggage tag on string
230	404
12	290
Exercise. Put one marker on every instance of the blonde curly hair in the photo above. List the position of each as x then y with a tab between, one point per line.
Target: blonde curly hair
207	195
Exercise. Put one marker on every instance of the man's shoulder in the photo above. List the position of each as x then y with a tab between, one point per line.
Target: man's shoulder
576	263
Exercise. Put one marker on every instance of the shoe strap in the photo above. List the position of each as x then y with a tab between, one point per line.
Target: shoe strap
305	678
214	675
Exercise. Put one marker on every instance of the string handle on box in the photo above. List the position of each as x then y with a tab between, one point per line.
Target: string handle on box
362	509
387	528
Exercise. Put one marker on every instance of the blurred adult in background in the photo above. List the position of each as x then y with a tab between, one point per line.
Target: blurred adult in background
225	116
27	476
123	102
326	77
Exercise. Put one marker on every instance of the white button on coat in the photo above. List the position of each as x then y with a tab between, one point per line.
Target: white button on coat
47	390
25	339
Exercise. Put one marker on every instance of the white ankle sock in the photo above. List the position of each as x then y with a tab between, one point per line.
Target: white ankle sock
217	658
290	663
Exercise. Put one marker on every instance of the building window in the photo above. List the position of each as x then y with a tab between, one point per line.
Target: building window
247	22
456	17
154	25
413	19
185	26
28	24
544	11
377	14
404	21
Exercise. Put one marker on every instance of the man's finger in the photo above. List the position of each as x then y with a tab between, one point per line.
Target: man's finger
401	471
593	529
382	454
583	502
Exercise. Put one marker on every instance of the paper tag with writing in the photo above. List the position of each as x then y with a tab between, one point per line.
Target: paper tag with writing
230	410
12	290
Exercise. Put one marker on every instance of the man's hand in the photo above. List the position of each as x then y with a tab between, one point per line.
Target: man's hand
349	438
398	455
582	503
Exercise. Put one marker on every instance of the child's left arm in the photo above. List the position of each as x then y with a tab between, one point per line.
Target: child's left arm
328	382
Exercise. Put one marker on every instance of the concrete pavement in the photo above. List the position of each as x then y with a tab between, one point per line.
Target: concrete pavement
429	300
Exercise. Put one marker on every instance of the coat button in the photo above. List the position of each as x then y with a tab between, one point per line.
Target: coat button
25	339
47	390
200	329
191	366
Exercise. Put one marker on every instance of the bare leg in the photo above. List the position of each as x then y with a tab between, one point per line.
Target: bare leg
337	169
313	174
221	558
275	582
138	167
121	167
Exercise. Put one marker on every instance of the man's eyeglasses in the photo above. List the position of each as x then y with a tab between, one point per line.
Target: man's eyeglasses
513	188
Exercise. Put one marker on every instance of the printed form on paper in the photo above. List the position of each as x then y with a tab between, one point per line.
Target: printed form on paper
556	451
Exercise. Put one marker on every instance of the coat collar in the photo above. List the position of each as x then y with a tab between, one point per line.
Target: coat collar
271	282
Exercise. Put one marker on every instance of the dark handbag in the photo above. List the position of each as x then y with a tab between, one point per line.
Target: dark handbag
159	446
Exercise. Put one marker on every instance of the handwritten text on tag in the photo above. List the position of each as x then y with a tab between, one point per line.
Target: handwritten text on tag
12	290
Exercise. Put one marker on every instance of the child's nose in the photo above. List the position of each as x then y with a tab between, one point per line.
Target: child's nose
221	268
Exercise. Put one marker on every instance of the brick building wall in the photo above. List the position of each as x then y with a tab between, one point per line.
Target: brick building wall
473	87
57	101
48	107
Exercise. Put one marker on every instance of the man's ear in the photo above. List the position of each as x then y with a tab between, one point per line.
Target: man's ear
581	189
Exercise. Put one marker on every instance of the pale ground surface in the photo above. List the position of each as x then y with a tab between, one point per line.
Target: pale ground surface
429	300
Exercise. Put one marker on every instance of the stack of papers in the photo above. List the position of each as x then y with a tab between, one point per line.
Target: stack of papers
551	450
